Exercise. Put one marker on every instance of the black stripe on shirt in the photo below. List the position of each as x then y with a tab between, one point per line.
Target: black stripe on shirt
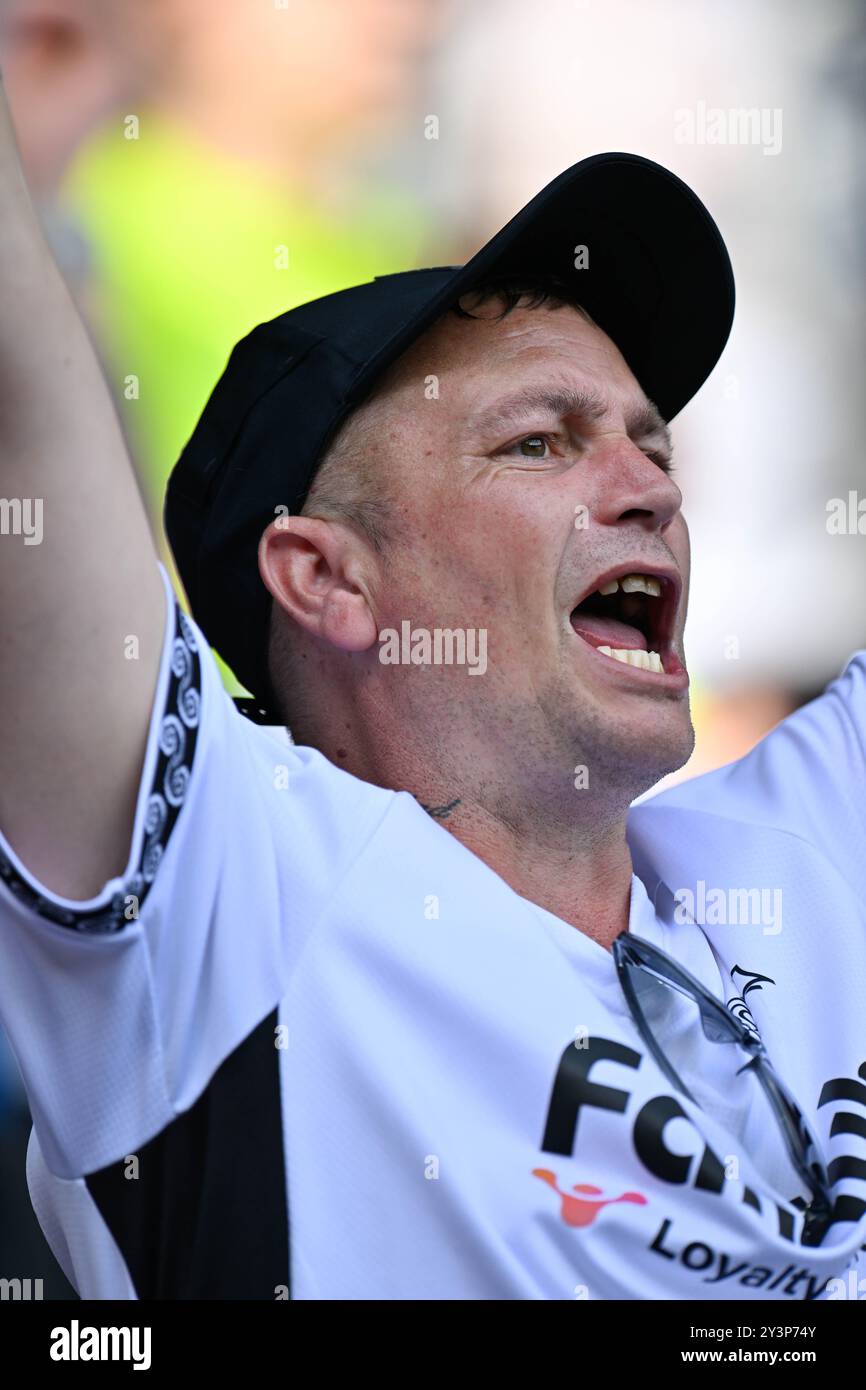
207	1215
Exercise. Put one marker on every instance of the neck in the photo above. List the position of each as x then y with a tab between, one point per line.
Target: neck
584	878
571	859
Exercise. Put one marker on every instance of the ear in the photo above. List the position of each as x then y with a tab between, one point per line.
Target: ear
315	571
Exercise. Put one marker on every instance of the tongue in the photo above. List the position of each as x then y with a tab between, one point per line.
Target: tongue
607	632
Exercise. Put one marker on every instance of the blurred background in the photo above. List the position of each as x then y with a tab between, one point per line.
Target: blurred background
202	165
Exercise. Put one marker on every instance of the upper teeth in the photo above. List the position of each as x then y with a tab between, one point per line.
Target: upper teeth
633	584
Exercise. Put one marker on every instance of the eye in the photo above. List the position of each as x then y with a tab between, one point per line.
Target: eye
532	446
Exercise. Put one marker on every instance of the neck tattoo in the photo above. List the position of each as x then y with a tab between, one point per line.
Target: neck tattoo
440	812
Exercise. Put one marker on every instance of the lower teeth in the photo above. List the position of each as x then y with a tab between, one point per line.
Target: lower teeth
647	661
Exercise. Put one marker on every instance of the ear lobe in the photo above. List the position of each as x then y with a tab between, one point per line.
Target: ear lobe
313	569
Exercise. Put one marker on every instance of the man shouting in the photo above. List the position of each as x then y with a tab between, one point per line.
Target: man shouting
412	1007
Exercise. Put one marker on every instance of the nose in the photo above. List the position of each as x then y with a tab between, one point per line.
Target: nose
633	488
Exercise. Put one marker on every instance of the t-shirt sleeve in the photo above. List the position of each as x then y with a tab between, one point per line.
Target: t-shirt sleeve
806	778
120	1009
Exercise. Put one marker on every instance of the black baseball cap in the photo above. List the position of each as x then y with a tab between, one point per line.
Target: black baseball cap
655	276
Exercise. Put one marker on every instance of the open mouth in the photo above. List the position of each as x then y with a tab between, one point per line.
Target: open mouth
629	617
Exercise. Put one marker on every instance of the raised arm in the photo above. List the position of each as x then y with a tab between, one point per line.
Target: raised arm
82	609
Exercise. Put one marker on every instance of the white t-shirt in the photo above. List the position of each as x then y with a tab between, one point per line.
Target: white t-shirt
309	1045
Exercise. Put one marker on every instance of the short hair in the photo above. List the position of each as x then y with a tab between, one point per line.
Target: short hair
349	486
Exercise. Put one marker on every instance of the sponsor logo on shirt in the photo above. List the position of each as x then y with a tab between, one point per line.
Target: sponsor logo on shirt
575	1095
716	1266
582	1210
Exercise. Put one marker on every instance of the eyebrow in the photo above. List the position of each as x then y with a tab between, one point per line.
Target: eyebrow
642	418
